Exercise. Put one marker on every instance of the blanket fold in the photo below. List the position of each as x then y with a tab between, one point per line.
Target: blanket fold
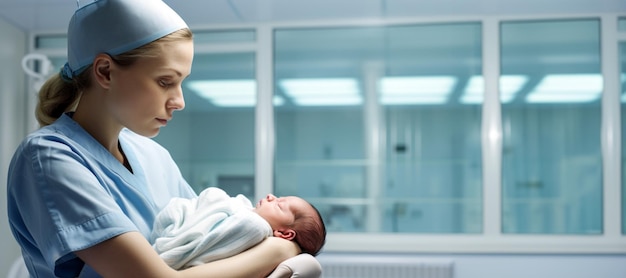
189	232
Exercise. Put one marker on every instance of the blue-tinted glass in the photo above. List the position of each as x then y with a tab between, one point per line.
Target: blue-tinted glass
622	62
552	164
51	42
621	23
233	36
375	128
212	139
58	62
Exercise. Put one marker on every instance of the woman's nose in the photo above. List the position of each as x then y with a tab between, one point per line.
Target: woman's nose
177	101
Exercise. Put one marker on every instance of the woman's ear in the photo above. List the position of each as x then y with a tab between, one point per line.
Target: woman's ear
287	234
102	70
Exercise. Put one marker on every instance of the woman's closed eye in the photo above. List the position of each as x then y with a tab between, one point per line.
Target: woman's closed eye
163	83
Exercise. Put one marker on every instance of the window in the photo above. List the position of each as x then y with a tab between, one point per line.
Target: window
51	42
380	126
621	24
552	163
55	48
224	36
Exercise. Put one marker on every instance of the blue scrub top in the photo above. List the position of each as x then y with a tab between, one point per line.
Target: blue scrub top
66	192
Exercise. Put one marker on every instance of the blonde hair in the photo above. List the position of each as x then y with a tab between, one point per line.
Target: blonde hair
57	96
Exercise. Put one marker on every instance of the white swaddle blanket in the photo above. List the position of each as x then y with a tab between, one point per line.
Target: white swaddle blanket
189	232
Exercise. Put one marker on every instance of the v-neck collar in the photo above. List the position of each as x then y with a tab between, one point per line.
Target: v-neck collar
136	178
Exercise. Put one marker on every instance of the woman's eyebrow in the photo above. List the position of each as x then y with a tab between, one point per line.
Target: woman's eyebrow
178	73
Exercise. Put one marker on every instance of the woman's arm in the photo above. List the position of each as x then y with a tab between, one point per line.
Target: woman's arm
254	262
130	255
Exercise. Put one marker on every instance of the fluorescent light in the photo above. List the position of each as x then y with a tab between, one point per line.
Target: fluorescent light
278	101
510	85
416	89
229	93
319	87
560	98
322	91
211	89
234	102
405	100
243	102
334	101
226	93
474	90
563	88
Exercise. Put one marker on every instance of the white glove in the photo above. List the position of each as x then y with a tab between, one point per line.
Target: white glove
303	266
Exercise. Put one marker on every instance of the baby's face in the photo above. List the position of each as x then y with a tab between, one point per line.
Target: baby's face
280	212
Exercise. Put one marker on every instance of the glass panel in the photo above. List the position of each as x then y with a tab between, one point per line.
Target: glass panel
552	164
621	23
58	62
200	37
51	42
376	128
224	36
212	139
622	63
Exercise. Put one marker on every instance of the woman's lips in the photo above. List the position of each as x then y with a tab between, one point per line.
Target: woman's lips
162	121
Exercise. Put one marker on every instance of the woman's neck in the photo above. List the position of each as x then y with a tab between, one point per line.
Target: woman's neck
92	116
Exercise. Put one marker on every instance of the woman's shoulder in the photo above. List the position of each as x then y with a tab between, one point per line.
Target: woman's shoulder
49	137
64	131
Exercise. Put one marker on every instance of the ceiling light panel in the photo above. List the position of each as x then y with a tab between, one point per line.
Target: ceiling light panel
567	88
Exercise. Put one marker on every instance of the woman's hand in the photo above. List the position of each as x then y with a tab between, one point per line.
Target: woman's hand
258	261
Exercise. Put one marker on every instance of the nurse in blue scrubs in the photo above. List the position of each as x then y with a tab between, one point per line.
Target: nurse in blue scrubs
84	189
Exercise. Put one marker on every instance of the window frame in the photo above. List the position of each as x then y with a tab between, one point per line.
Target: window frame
491	240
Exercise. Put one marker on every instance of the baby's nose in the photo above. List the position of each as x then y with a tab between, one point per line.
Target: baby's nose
270	197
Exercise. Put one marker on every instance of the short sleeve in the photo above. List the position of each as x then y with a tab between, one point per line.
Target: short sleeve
62	205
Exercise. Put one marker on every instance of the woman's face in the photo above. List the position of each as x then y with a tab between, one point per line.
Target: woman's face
145	95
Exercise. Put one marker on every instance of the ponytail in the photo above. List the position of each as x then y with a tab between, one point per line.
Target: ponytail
57	96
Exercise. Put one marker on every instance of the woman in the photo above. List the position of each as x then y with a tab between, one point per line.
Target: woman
84	189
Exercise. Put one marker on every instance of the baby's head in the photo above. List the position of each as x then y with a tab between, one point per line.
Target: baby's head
294	218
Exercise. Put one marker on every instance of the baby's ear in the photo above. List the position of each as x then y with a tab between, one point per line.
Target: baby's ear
287	234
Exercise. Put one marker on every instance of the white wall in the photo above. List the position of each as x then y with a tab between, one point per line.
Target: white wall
13	116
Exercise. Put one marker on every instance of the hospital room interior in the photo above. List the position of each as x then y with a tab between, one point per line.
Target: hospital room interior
443	139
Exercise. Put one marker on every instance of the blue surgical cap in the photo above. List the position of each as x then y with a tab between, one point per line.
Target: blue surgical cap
115	27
